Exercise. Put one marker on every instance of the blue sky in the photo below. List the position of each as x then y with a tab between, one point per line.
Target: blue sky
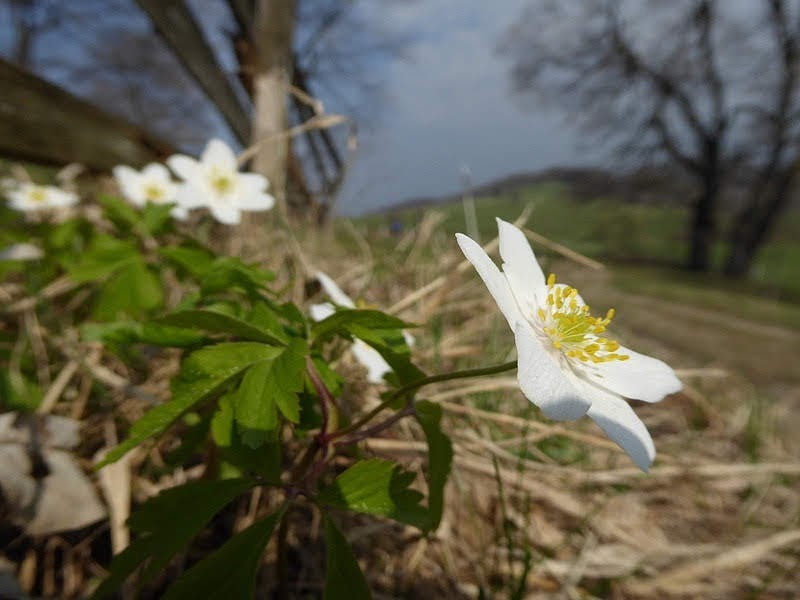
448	104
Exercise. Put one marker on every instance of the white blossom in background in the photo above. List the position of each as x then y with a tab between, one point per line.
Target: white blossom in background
566	365
215	182
370	358
30	197
151	184
22	251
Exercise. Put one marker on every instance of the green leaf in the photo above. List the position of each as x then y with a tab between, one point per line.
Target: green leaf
120	212
265	318
165	525
132	291
217	322
265	461
343	321
133	332
202	375
376	487
267	387
343	578
155	217
440	458
228	272
104	255
231	571
18	392
195	261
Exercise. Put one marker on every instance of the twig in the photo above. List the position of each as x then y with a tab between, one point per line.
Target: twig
55	390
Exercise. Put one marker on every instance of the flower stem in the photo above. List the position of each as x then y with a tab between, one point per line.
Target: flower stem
400	392
362	435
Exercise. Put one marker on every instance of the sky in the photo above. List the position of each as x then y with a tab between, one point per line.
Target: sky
448	104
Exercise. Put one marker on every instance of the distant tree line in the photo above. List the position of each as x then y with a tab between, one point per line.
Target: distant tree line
709	86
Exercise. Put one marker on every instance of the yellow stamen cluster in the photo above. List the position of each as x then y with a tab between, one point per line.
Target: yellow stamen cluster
573	330
38	194
154	193
222	183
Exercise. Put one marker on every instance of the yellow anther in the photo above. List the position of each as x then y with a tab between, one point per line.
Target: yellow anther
572	329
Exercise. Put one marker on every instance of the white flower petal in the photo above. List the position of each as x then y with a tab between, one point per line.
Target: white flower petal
320	312
225	214
376	366
252	183
334	291
179	212
157	173
520	267
495	281
255	202
129	184
410	339
58	197
190	196
640	377
220	155
185	167
616	417
543	381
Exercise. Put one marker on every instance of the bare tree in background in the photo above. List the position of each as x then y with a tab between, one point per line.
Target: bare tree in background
775	135
663	81
29	19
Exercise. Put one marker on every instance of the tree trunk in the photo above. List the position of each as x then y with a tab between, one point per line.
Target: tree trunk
754	226
273	34
702	231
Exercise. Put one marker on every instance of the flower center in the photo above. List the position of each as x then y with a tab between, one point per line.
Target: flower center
573	330
38	195
154	193
221	182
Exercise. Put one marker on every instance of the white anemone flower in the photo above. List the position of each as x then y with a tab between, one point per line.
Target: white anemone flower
152	184
376	366
30	197
216	183
566	365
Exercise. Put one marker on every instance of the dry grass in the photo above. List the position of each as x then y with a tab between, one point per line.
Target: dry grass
717	517
534	509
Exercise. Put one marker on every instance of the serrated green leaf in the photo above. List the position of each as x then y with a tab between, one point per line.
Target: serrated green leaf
196	261
266	319
203	374
344	320
120	212
343	577
165	525
155	217
133	332
133	290
376	487
440	458
166	335
104	255
230	572
228	272
265	461
218	322
267	387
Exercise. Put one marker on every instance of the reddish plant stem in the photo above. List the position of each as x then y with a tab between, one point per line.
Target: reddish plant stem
366	433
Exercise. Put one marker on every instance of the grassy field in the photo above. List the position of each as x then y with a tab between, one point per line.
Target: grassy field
643	245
